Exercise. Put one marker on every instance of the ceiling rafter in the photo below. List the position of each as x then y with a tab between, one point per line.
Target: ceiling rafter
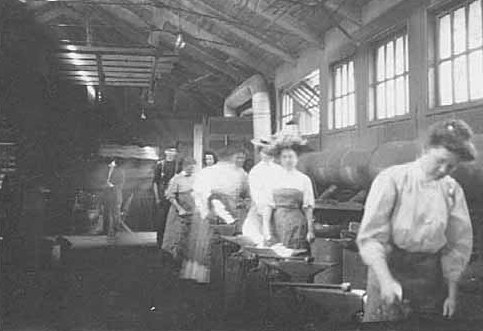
286	22
262	43
158	17
193	50
342	8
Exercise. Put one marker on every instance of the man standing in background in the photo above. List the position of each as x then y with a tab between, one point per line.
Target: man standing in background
165	170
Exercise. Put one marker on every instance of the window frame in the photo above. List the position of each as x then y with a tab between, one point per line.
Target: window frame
382	40
313	110
332	98
437	14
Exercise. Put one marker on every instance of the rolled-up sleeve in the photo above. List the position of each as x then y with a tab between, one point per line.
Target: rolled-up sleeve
375	229
459	235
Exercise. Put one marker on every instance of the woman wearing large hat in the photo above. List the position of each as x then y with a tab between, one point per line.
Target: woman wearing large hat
292	200
261	179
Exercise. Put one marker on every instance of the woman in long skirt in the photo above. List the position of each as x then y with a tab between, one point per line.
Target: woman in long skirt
416	233
292	199
220	192
180	194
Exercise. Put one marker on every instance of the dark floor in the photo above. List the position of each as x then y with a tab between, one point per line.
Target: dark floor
117	287
132	287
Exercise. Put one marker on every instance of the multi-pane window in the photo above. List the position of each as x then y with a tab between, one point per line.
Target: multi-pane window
300	103
391	78
342	108
460	54
287	110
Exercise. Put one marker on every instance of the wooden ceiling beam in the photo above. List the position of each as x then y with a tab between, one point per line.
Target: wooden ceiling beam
158	17
194	51
111	84
296	27
346	9
264	44
107	75
107	70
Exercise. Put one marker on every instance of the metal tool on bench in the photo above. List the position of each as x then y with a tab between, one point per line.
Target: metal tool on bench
344	287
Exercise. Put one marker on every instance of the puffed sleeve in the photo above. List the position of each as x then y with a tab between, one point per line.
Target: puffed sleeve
173	188
308	193
374	232
459	235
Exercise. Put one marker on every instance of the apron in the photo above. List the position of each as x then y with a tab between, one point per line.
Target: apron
421	279
289	220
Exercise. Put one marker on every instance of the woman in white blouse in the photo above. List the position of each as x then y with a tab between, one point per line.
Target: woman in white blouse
416	233
291	201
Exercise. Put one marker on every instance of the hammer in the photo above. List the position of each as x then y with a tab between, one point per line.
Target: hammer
344	287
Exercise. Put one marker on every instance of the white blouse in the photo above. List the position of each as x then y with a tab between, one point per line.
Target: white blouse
416	214
261	179
294	179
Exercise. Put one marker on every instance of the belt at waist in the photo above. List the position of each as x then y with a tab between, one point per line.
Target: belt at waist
287	206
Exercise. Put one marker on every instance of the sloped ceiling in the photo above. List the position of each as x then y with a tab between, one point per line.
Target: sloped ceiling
227	41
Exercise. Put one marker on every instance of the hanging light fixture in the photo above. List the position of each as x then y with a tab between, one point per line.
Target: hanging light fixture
180	43
143	114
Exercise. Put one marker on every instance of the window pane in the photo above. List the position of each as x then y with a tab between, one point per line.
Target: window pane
406	92
459	31
344	79
400	96
390	60
351	76
344	112
338	111
460	79
474	25
399	56
380	64
381	101
330	117
476	74
445	83
338	77
445	37
390	99
352	110
406	54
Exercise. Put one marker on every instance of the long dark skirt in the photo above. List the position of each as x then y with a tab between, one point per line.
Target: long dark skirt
420	275
177	231
196	265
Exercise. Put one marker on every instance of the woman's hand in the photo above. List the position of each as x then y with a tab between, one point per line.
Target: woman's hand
391	291
449	307
182	212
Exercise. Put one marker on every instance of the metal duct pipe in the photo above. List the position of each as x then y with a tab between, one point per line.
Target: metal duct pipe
356	168
256	89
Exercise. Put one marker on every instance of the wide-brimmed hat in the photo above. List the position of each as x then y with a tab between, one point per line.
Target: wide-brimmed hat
290	137
263	141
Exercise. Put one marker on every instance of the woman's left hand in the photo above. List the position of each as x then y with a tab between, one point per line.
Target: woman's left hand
449	307
310	236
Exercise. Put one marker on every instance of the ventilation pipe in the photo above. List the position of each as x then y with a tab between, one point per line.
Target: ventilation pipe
254	88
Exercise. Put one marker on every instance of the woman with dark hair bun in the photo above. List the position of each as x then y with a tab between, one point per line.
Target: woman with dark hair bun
209	159
416	233
178	222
